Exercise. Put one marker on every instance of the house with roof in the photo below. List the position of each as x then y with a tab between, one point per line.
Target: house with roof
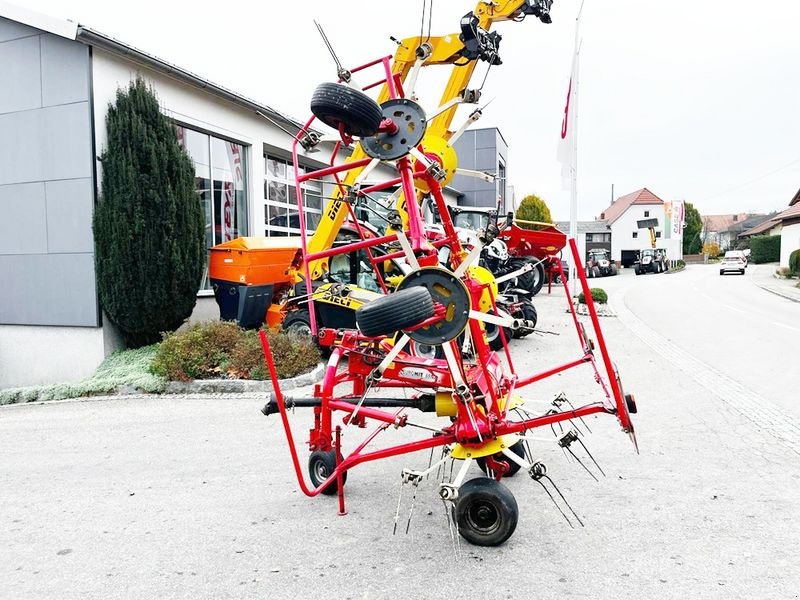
627	238
786	224
58	80
724	230
789	221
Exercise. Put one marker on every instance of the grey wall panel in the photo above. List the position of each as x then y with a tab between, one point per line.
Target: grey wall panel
11	30
486	160
69	215
20	152
65	71
48	289
66	141
23	227
486	138
20	75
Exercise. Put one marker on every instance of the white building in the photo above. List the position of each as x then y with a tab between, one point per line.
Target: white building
58	80
627	238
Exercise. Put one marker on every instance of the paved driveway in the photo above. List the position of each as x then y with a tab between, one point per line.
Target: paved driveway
180	497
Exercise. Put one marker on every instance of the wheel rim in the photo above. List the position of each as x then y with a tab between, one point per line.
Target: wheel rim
424	350
482	516
321	471
299	328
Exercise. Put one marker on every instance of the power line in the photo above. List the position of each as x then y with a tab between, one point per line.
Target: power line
751	181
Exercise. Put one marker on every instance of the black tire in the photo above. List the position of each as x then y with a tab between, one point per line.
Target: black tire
298	322
638	271
513	468
596	271
335	104
526	281
395	312
321	464
529	314
486	512
493	335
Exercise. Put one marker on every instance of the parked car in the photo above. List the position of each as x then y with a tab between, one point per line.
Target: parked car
733	263
737	254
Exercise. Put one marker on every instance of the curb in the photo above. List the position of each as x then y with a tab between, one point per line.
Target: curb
780	293
199	386
603	310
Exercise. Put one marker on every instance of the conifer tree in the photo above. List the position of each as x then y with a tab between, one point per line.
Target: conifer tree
148	225
533	208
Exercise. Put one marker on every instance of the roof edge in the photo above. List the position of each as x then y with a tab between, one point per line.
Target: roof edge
94	38
60	27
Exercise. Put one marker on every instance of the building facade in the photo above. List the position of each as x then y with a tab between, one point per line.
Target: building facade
59	79
483	150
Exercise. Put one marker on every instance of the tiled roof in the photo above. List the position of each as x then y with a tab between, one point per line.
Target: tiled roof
796	199
765	225
793	212
719	223
642	196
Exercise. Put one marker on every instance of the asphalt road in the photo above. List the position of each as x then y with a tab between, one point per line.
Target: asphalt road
195	497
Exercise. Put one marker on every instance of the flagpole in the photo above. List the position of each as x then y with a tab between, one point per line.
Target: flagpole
573	204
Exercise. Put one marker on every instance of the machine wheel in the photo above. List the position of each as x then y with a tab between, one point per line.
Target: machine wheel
395	312
335	104
538	279
321	464
493	335
518	449
589	272
298	322
486	512
596	271
529	314
638	271
526	281
613	270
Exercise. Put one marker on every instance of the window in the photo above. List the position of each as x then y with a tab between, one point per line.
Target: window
598	237
658	234
280	215
635	234
647	213
221	184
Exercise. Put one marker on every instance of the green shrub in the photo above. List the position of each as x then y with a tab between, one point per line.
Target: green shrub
794	262
149	224
219	349
765	248
598	295
680	264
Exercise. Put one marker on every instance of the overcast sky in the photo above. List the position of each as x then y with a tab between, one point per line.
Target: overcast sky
696	100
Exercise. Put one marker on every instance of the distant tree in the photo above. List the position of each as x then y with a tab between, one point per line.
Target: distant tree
533	208
148	225
695	246
711	249
691	232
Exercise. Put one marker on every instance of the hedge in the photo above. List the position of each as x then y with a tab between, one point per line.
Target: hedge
765	248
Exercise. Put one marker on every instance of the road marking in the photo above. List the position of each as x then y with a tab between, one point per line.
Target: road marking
754	407
733	308
785	326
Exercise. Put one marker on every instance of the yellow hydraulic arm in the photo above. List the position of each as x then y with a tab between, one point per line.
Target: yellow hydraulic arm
443	50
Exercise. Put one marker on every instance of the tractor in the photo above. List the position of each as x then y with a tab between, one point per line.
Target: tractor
599	263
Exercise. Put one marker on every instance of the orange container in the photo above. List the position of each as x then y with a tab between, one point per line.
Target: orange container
256	260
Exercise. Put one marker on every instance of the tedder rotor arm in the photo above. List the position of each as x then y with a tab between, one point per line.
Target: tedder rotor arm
443	50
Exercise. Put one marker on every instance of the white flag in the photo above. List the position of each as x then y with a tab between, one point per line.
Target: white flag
566	145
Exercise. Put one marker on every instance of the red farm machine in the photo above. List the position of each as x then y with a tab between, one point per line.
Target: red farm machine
372	384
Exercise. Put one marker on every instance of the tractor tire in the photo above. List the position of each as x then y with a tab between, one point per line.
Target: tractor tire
321	464
395	312
425	350
493	335
486	512
529	314
589	273
338	105
527	281
596	271
538	279
298	322
513	468
638	271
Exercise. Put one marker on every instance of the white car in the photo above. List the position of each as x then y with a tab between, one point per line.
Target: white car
732	263
737	254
